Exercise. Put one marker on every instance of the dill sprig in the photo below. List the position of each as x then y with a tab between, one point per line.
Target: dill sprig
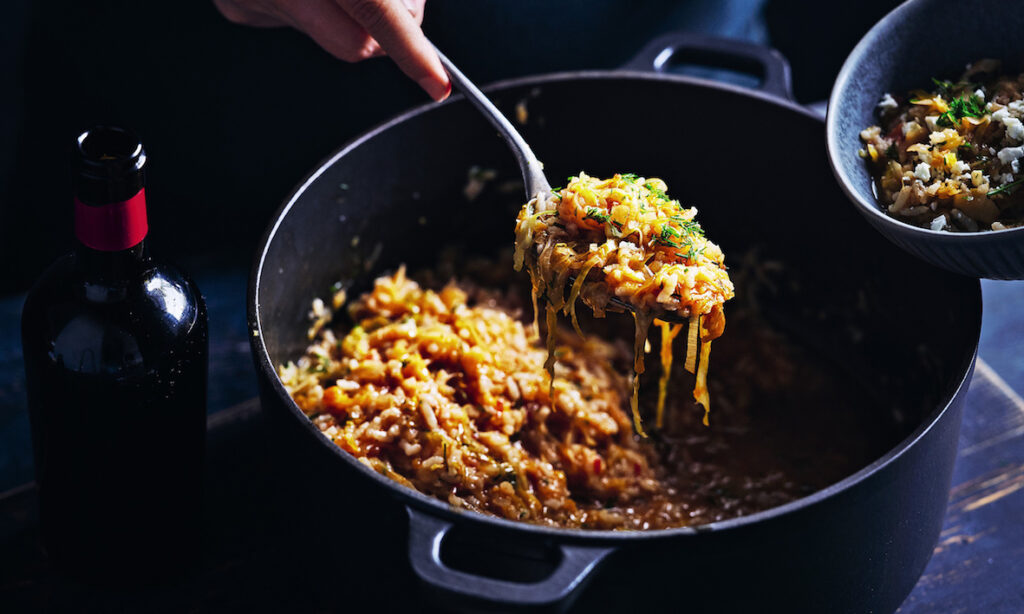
594	213
965	106
1008	188
658	192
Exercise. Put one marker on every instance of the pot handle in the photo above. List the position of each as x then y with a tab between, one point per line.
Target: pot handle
426	533
714	52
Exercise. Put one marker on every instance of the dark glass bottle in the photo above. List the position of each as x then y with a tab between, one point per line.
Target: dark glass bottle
116	351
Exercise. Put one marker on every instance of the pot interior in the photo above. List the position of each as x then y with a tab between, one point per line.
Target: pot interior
904	331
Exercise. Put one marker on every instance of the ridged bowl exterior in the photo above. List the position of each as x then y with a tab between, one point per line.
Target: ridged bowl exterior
894	56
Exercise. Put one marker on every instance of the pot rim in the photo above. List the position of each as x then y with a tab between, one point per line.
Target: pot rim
441	509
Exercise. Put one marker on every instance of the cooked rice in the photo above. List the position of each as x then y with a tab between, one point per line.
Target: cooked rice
453	400
445	392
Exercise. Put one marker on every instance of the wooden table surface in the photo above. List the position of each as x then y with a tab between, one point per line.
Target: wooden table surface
257	558
978	564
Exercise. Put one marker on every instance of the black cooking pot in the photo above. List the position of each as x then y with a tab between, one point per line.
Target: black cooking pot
754	163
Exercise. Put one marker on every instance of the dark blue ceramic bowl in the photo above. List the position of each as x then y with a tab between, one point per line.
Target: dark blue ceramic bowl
919	40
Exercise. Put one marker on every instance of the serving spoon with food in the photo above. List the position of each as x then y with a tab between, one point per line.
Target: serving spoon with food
650	248
534	180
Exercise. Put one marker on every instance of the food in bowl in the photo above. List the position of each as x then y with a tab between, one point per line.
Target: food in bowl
949	158
624	237
443	388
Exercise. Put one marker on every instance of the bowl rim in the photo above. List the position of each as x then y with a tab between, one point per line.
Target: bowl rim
837	152
445	511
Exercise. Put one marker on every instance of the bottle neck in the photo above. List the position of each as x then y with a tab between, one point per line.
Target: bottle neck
111	226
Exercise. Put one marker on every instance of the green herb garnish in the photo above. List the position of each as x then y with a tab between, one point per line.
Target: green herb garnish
689	226
658	192
944	86
323	363
596	214
1007	188
667	231
965	106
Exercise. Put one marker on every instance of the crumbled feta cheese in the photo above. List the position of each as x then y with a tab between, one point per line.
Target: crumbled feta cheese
979	93
960	167
868	134
923	172
887	103
938	223
932	120
1016	108
1006	178
1009	154
1015	167
1014	128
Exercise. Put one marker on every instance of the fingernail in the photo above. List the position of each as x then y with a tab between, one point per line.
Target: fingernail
411	5
438	91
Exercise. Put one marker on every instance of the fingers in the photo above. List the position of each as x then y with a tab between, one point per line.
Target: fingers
258	17
354	30
415	9
394	26
331	28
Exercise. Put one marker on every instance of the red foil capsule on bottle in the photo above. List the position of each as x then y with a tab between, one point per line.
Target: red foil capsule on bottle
112	227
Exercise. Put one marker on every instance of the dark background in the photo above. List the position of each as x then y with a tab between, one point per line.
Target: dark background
233	117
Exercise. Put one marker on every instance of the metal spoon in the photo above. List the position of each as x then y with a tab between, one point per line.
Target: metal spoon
533	170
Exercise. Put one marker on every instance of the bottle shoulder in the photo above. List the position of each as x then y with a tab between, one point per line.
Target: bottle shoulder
100	324
68	281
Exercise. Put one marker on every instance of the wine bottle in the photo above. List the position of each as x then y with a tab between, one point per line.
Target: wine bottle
115	348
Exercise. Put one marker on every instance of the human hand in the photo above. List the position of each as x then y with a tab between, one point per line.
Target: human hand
354	30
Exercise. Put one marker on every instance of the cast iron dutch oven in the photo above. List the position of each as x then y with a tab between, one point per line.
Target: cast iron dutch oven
754	163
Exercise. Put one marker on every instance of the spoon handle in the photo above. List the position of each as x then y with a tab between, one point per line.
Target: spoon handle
533	170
